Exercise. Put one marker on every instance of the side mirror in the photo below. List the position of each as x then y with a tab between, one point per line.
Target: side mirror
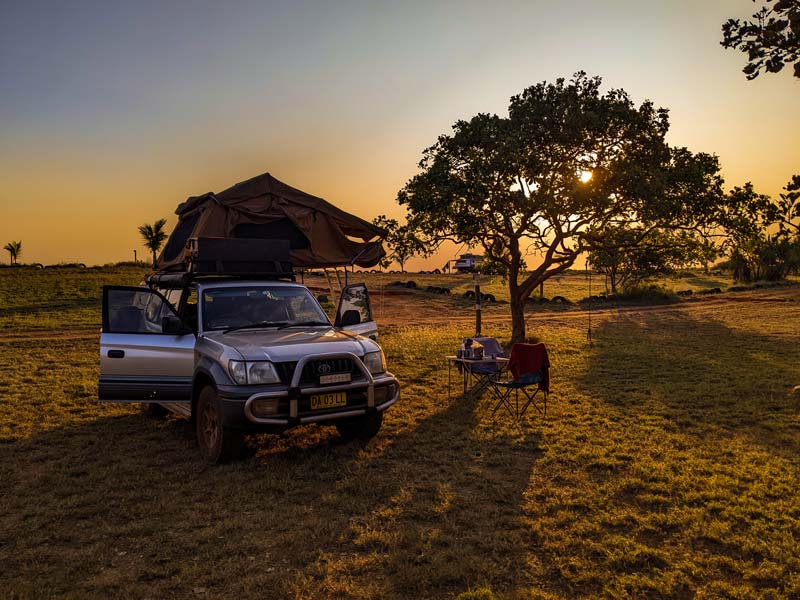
350	317
173	325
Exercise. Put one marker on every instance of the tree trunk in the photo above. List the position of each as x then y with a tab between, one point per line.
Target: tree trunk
517	318
517	307
154	259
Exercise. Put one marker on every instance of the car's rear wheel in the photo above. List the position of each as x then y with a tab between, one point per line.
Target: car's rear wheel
218	443
361	428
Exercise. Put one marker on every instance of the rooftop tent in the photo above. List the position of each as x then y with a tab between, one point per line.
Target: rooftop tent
319	234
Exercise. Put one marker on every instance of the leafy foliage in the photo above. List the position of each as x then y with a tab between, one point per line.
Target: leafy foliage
14	249
757	254
770	40
626	256
516	185
403	243
787	208
154	236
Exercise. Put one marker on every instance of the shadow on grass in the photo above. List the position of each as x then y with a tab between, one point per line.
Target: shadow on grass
125	506
700	375
693	464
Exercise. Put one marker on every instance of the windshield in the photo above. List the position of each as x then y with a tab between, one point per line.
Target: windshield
259	306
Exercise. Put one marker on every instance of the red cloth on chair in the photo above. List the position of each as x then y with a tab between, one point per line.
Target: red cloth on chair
530	358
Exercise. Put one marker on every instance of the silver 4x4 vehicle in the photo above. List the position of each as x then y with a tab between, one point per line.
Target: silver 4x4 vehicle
241	355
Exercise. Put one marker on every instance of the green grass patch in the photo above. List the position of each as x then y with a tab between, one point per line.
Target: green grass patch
667	468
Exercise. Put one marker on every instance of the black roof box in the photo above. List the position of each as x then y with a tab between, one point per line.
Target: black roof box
239	256
229	257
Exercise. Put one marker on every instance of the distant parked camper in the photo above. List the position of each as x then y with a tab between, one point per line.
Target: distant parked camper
467	263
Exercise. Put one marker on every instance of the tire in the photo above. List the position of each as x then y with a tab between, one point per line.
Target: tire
361	428
154	411
218	444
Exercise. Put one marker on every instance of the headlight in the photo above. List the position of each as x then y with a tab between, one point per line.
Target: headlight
375	362
262	372
253	373
238	371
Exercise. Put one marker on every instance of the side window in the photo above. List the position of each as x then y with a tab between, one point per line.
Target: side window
354	307
189	309
173	296
133	311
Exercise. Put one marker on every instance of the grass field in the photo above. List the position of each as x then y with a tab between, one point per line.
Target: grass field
667	467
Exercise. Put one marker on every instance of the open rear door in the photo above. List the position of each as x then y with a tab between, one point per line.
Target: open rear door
146	355
355	313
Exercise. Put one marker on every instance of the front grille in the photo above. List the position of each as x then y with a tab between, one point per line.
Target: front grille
311	371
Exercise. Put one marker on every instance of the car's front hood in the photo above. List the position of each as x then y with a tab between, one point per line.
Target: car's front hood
291	344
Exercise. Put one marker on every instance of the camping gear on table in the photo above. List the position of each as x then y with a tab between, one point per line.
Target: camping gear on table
529	365
319	234
479	360
470	349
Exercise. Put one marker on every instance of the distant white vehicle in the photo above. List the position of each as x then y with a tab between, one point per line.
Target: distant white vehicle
466	263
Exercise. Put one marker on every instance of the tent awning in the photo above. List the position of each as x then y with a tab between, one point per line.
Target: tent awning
320	234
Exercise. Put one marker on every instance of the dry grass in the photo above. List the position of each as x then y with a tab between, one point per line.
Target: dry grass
668	468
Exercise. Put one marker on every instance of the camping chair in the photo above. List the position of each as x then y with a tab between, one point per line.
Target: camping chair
529	366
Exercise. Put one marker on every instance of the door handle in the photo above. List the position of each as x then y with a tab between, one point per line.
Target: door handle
116	354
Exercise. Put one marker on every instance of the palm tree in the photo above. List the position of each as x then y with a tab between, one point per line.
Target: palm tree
153	236
14	250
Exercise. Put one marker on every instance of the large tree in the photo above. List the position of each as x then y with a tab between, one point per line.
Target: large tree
771	40
153	236
566	162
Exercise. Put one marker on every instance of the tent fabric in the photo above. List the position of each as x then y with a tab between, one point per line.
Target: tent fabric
321	235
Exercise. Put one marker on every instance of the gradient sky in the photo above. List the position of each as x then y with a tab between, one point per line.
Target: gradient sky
112	115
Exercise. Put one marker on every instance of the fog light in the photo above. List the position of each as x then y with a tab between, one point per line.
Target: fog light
384	394
264	407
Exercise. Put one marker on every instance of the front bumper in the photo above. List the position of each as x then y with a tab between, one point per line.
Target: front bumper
295	398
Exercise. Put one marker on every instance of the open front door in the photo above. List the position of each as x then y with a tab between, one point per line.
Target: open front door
355	313
146	354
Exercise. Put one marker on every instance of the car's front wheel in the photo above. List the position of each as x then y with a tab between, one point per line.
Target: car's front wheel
218	443
361	428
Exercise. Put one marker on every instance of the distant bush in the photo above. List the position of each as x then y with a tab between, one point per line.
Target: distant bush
649	294
66	265
126	263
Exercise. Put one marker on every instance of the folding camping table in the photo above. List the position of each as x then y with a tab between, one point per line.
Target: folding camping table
472	373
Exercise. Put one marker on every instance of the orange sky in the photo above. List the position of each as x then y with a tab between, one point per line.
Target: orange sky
112	116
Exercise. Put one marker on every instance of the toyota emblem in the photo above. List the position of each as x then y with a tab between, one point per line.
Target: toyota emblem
323	369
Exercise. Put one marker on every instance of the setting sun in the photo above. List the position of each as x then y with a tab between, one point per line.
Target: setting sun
586	176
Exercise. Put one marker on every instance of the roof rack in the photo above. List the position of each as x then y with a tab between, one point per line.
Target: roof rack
230	258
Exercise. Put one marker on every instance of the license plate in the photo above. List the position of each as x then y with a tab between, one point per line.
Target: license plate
335	378
335	400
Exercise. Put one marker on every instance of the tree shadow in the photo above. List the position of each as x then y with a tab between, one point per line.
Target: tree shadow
688	458
701	375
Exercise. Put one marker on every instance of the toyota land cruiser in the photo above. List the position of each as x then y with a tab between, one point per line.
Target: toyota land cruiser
244	355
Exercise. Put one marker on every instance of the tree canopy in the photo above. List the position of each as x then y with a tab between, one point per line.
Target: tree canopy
771	40
568	161
403	243
763	235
